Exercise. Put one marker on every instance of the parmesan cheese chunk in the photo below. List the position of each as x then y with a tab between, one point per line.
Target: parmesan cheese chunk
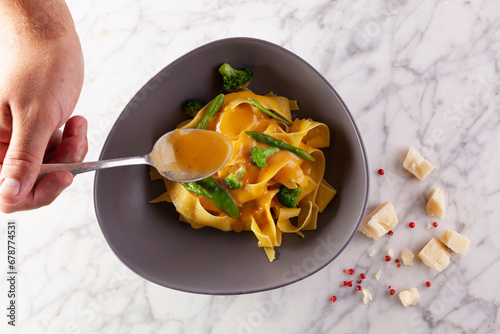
416	164
455	241
435	205
367	296
409	297
407	257
378	274
435	255
379	221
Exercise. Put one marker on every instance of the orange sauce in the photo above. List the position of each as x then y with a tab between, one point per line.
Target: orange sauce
234	121
192	152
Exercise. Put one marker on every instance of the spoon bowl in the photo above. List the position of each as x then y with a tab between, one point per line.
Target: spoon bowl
187	155
184	155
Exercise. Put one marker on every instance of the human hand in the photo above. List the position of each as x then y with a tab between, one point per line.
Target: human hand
40	82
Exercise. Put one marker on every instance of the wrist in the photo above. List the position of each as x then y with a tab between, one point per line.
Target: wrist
39	19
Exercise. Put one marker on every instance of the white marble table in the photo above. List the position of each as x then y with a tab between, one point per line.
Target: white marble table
420	73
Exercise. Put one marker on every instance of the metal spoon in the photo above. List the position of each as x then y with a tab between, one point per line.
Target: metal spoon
162	145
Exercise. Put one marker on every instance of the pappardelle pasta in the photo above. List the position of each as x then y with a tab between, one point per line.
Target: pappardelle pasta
261	187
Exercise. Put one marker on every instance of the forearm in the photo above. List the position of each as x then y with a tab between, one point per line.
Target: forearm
41	19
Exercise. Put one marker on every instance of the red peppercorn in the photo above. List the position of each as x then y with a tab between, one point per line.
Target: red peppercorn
359	282
387	258
362	276
333	299
351	271
381	171
344	283
412	225
392	292
359	288
389	287
399	265
345	271
390	232
435	224
349	284
397	260
427	284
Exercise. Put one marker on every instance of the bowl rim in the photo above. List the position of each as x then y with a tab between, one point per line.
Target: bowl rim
364	158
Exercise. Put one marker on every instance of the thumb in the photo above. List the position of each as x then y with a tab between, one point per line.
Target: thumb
23	158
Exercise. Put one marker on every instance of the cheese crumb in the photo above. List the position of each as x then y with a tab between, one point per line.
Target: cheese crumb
407	257
435	255
367	296
390	252
435	205
409	297
372	253
417	165
429	226
455	241
378	274
379	221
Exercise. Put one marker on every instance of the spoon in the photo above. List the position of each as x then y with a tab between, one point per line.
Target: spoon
182	155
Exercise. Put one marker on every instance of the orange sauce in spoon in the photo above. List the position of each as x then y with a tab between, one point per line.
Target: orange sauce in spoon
191	153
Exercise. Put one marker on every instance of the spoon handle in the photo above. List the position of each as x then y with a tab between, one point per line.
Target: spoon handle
82	167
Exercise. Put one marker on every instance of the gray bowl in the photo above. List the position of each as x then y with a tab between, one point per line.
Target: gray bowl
149	239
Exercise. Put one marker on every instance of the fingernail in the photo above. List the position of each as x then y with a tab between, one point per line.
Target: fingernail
82	152
10	187
81	131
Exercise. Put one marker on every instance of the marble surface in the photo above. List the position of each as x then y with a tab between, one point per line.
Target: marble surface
419	73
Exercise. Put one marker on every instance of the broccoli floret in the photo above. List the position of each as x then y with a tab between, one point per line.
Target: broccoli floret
259	156
288	197
235	80
233	179
192	106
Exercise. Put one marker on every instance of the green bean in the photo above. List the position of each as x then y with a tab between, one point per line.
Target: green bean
269	112
213	108
213	191
271	141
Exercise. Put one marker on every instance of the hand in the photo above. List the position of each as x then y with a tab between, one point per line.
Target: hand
40	82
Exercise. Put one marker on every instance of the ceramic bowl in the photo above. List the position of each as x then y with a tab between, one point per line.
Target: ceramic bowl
150	240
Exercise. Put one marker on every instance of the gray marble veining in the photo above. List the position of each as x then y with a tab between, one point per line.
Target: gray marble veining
413	73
